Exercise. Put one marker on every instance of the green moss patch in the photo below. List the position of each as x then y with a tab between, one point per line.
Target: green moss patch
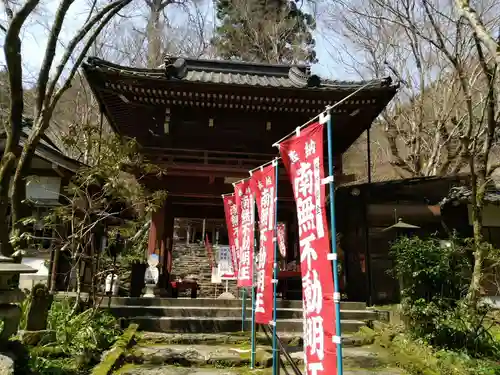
418	358
233	338
112	357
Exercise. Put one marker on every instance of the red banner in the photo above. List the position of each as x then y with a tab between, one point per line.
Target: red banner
263	184
302	155
282	239
231	212
246	227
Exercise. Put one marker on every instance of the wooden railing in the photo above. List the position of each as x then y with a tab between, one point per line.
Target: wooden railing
179	156
174	156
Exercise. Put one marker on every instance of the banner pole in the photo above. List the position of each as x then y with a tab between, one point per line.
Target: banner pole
333	234
276	357
243	308
252	358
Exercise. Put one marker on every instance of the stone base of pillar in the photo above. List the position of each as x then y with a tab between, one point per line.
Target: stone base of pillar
149	291
226	295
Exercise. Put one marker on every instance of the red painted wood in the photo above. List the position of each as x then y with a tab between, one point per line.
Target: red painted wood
169	236
153	232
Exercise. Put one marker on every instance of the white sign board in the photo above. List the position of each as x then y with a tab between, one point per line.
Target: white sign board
216	279
225	263
43	188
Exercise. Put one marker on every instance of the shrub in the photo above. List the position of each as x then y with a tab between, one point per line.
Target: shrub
416	357
81	337
431	271
434	278
89	330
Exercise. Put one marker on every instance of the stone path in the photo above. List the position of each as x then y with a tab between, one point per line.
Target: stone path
173	370
174	359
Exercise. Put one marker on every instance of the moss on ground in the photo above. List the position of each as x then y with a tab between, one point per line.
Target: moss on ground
136	369
112	357
417	358
364	357
126	368
365	336
233	338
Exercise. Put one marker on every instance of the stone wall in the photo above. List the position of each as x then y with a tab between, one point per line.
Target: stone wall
192	259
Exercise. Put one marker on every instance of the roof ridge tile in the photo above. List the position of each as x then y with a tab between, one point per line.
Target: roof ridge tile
260	75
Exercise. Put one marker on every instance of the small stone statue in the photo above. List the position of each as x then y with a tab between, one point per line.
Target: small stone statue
151	276
36	319
40	303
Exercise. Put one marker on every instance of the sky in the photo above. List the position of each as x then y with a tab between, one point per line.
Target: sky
35	32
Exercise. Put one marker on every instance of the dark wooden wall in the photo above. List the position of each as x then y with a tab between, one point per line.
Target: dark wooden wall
364	211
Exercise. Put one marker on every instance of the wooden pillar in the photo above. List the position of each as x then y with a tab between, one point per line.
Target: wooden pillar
161	233
156	233
355	235
293	237
168	237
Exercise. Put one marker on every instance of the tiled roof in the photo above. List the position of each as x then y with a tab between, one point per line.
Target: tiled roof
238	79
45	140
463	194
137	101
46	148
237	73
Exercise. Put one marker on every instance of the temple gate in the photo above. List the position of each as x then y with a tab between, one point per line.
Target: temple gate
209	122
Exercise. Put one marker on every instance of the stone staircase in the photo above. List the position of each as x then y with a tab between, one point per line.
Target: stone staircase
203	315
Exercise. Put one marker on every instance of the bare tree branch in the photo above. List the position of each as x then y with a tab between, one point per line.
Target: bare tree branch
447	119
82	33
479	28
118	5
45	107
50	52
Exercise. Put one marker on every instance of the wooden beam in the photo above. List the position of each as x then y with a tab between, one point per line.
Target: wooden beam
216	198
209	170
384	215
191	211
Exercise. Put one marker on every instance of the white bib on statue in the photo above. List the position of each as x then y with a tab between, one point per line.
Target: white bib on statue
151	276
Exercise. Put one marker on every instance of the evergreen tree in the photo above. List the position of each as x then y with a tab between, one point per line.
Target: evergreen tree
267	31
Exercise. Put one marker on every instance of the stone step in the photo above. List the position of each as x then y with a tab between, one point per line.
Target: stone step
232	358
292	339
224	312
211	302
224	324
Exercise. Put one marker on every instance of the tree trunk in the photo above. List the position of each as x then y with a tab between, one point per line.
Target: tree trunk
13	60
78	264
477	272
478	188
20	211
12	50
53	270
6	170
153	35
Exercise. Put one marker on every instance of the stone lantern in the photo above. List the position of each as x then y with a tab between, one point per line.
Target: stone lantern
10	313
